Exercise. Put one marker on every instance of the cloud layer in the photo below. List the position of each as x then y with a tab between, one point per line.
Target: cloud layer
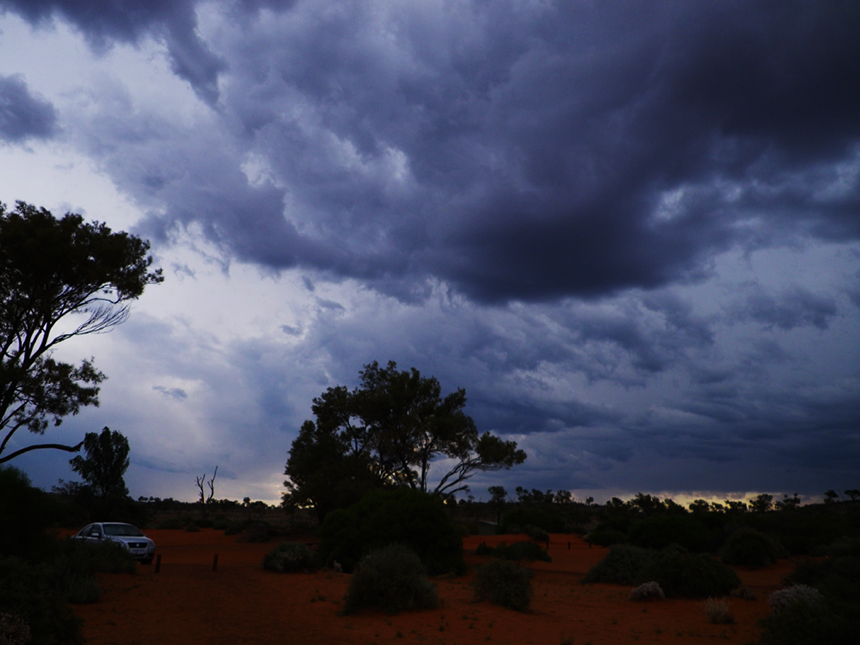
630	232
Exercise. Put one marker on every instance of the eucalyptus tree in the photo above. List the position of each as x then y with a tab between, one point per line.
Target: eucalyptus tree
59	279
389	431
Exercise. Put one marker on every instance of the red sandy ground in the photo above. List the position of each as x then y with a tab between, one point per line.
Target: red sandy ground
241	603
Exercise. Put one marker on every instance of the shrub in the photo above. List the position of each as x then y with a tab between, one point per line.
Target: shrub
749	547
522	551
393	579
785	598
504	583
172	524
647	591
623	565
221	524
192	527
25	516
682	574
662	531
744	593
484	549
289	556
821	606
398	516
30	593
536	533
719	612
234	528
13	630
606	537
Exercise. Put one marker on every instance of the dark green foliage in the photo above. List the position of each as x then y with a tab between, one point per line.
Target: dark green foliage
52	269
803	624
805	530
750	548
682	574
606	537
30	592
234	528
105	463
623	565
531	517
221	524
660	531
173	523
25	516
393	579
399	516
290	556
835	621
504	583
389	430
522	551
484	549
538	534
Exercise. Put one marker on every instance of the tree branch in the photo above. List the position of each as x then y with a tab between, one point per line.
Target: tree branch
41	446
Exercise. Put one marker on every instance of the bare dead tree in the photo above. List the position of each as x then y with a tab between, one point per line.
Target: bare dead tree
201	484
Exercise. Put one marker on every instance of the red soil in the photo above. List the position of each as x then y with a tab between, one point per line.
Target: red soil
186	602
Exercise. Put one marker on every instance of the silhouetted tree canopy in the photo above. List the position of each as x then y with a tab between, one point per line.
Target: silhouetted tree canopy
59	278
389	431
105	464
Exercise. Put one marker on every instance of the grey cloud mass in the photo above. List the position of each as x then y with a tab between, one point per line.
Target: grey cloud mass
631	231
22	115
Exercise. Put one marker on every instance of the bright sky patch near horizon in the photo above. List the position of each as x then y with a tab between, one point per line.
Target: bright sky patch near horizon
630	232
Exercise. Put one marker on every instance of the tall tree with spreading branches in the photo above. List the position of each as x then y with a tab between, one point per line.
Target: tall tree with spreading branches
104	466
389	431
59	278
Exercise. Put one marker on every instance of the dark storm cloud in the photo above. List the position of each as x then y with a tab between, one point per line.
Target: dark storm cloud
794	308
104	22
533	153
22	115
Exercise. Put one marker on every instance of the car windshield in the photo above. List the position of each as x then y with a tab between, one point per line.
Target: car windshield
122	530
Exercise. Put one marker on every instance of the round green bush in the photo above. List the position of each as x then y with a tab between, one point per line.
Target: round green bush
623	565
504	583
290	556
750	548
398	516
682	574
393	579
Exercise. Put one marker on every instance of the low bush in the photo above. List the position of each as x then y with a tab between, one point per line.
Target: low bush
504	583
392	579
522	551
221	524
719	612
172	524
662	531
484	549
606	537
538	534
30	594
682	574
750	548
785	598
13	630
623	565
647	591
399	516
290	556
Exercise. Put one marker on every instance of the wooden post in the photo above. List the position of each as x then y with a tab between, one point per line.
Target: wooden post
215	563
158	563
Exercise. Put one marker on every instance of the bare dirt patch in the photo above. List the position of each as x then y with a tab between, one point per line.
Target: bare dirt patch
243	603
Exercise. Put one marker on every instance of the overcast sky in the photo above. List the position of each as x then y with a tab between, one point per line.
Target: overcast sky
630	230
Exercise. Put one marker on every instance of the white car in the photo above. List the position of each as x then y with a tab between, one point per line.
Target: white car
131	537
